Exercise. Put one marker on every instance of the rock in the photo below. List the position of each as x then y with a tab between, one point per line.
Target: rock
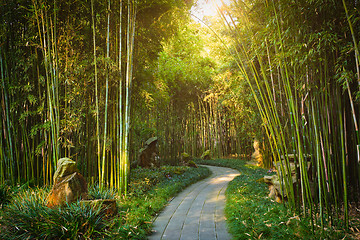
65	167
185	157
206	155
148	155
186	160
105	206
274	187
276	190
152	140
268	179
274	194
69	185
192	164
283	171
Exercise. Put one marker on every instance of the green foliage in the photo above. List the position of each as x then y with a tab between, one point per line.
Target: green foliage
293	55
96	192
142	179
138	210
59	78
252	215
183	69
5	195
27	217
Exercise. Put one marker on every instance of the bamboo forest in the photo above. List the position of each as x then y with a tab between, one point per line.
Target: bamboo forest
114	111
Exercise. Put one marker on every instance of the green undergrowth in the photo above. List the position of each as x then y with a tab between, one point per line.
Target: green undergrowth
24	215
138	210
252	214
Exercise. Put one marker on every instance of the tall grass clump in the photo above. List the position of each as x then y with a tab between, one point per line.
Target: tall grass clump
27	217
96	192
5	195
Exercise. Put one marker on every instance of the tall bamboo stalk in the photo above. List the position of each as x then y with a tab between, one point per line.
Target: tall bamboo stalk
103	167
128	80
9	141
96	91
120	145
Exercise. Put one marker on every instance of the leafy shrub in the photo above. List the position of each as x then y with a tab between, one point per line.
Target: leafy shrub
5	195
143	179
95	192
28	218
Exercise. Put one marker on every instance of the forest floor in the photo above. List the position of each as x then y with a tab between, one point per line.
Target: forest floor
251	214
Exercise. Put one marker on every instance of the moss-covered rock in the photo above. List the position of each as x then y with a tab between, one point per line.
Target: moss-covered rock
185	157
192	164
67	190
206	155
148	155
65	167
69	185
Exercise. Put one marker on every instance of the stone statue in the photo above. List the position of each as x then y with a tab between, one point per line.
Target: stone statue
148	155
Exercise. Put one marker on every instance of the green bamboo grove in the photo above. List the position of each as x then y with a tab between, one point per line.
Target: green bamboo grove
305	97
40	117
93	80
67	90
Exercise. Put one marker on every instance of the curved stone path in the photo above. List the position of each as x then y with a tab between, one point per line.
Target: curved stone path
198	211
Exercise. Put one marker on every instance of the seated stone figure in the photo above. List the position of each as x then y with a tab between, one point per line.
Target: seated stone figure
148	154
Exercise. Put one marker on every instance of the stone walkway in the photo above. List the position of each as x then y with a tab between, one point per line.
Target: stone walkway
198	211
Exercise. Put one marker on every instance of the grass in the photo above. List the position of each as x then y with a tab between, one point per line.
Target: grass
5	195
27	217
252	215
139	209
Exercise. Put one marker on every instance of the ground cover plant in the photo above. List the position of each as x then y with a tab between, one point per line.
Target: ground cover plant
5	195
27	217
252	215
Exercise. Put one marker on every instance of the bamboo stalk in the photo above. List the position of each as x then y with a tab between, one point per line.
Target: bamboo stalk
96	91
120	115
343	163
8	127
103	167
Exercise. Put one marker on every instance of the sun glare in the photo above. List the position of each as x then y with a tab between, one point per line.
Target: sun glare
207	7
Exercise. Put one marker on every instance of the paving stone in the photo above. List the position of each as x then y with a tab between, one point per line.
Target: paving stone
197	212
155	236
207	224
190	231
194	221
207	234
